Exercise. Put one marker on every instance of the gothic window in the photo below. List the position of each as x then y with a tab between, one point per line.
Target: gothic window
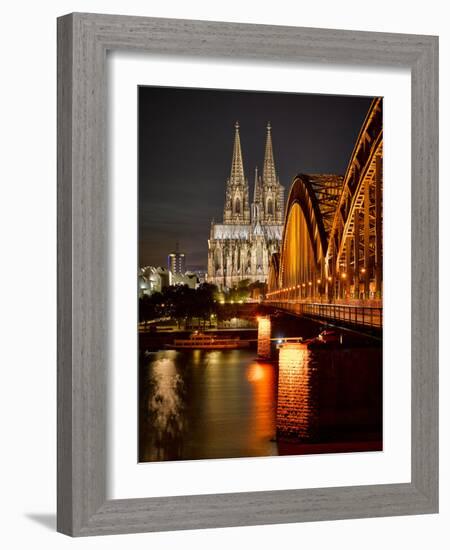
270	207
237	206
259	254
218	258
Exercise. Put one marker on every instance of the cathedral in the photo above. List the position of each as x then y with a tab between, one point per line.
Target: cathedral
240	247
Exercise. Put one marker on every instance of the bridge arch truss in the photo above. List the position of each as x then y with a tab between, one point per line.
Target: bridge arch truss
332	240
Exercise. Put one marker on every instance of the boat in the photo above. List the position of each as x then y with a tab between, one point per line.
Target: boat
198	340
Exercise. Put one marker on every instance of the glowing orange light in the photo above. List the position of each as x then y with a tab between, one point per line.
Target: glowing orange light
329	278
363	270
343	275
303	285
309	283
318	281
289	356
293	400
264	329
255	372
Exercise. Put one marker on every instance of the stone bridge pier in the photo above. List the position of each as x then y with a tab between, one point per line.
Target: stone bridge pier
264	335
295	411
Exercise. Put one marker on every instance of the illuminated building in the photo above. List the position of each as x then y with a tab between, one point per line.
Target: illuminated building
152	279
240	247
189	279
176	262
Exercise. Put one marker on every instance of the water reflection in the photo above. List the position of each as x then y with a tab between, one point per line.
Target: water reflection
261	421
206	404
221	404
164	405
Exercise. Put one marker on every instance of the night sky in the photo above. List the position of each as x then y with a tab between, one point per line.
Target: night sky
185	146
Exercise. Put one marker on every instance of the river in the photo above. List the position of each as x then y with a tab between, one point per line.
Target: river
223	404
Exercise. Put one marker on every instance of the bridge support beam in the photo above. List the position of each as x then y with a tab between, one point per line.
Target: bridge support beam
366	240
348	267
378	225
356	254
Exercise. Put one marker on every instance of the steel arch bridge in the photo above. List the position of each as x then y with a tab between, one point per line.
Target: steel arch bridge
331	250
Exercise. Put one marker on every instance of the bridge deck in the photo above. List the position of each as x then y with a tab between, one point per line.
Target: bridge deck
356	315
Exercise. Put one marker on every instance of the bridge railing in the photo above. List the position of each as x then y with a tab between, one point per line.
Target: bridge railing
357	315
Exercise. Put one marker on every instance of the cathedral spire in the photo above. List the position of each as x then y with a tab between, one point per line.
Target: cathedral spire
269	174
256	187
237	206
237	165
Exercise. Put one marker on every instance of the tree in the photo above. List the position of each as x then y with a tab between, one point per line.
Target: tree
181	303
205	302
150	307
240	292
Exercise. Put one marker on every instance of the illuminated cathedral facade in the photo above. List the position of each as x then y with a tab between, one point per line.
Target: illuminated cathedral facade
240	247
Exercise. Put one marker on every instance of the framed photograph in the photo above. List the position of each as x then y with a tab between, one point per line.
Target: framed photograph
247	274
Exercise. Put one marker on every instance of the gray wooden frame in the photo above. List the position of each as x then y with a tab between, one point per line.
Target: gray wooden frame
83	40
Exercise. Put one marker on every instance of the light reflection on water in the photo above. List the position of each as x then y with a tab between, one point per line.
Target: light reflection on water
220	404
164	404
206	404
